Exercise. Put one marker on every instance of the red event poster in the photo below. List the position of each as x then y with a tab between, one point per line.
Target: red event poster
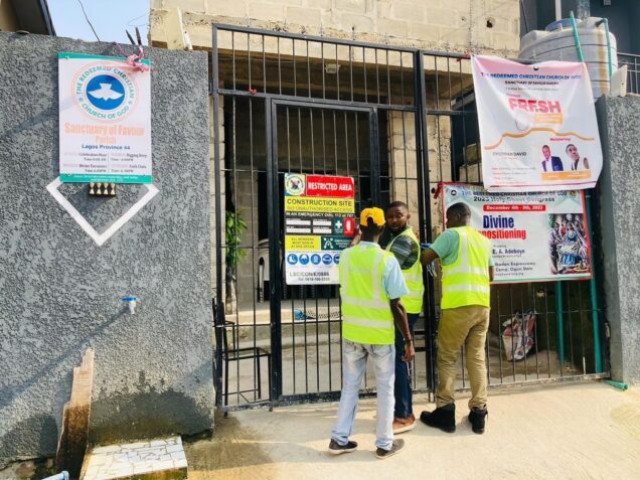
537	237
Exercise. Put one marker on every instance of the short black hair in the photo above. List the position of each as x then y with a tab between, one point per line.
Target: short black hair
459	208
371	228
545	146
396	204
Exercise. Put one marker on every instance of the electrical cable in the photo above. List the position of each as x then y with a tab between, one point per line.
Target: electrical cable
87	19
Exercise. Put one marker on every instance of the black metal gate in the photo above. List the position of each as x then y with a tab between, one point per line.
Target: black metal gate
399	121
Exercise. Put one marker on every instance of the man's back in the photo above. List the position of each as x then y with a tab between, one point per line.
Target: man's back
466	257
369	278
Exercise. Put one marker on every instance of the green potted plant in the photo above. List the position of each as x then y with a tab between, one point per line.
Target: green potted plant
235	226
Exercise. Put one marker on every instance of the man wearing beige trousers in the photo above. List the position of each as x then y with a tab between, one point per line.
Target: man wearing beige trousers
467	270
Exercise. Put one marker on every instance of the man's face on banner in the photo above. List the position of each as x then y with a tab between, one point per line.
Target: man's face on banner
546	152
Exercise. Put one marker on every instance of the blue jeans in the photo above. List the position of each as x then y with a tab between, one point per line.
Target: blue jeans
354	365
402	388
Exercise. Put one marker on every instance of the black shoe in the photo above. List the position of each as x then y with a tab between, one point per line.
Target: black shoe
395	448
443	418
476	417
336	449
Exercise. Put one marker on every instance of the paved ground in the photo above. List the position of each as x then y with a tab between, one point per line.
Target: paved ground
564	432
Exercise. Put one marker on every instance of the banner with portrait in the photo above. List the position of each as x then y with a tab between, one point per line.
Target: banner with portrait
538	127
537	237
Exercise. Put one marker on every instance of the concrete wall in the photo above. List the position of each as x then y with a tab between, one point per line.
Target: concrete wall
486	25
619	219
60	293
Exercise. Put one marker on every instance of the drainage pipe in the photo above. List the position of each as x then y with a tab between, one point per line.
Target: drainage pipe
620	385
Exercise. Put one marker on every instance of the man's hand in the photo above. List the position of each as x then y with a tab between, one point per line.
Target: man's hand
428	256
409	352
402	324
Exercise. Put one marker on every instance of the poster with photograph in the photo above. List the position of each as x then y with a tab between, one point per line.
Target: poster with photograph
538	126
537	237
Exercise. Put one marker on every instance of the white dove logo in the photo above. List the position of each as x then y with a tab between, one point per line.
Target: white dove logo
110	95
105	92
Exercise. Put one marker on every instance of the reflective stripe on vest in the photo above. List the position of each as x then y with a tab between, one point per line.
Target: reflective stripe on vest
413	277
366	314
466	281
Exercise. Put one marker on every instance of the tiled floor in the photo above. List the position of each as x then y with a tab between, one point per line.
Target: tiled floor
123	461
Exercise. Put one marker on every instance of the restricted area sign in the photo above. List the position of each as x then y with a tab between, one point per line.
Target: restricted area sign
319	215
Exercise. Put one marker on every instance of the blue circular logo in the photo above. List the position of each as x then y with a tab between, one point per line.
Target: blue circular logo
292	259
304	259
315	259
336	258
105	92
326	259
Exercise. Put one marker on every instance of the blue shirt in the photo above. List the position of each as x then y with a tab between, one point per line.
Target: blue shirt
393	280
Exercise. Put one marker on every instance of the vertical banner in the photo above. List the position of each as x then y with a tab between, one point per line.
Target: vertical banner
105	120
319	215
537	237
538	126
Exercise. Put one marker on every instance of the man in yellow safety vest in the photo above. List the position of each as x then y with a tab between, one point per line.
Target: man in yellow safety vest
399	239
371	285
467	269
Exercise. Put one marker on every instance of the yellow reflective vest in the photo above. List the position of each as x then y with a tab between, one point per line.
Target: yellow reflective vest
466	281
366	313
413	277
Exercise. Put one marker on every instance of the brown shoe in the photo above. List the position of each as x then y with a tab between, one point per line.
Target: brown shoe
401	425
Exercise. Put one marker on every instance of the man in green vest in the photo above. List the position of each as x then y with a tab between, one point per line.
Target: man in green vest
467	269
371	285
399	239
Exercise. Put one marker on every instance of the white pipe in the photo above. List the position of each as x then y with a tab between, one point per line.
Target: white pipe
60	476
558	9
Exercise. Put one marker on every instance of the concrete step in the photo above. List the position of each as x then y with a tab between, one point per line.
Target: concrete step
159	459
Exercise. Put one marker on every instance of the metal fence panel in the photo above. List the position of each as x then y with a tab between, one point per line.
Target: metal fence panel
398	120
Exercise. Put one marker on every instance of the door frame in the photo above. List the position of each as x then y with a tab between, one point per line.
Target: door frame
273	207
